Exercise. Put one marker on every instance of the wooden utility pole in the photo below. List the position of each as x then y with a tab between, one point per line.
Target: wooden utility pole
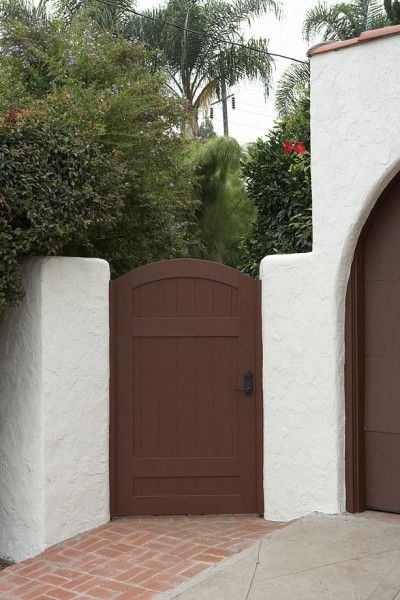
224	101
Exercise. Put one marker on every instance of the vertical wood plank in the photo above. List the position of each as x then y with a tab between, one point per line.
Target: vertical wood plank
204	298
205	440
186	300
223	395
149	399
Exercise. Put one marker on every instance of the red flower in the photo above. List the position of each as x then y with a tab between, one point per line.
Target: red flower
300	148
287	147
12	114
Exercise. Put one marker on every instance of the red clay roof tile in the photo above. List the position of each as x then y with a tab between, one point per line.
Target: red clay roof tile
367	36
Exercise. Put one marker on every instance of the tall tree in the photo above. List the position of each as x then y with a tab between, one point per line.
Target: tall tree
344	20
203	48
78	77
225	214
392	8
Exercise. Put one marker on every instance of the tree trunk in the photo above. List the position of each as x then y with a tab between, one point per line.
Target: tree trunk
194	124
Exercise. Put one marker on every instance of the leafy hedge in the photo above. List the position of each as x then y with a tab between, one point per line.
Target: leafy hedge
56	187
277	174
93	161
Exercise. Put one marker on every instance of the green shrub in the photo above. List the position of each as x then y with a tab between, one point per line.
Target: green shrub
56	187
225	214
99	164
279	184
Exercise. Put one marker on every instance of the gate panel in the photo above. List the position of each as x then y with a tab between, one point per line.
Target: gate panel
184	441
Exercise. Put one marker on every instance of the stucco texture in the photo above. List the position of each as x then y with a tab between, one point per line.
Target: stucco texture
54	414
355	153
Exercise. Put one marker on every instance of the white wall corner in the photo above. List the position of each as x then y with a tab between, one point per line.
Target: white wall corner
54	389
21	424
75	363
355	143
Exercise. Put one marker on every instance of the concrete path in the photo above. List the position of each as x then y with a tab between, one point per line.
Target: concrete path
318	557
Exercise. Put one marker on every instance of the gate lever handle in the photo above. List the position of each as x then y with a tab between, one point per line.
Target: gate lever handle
247	384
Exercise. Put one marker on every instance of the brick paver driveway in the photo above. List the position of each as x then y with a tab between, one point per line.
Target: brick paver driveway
129	559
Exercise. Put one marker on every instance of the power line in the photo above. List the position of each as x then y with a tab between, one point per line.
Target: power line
238	107
187	30
249	103
245	125
249	112
222	99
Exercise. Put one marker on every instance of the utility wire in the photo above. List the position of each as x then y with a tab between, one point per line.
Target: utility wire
252	112
259	127
187	30
243	103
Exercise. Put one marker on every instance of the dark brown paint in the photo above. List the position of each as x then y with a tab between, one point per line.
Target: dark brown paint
183	441
372	373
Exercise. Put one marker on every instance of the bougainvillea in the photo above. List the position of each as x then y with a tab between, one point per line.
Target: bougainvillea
296	147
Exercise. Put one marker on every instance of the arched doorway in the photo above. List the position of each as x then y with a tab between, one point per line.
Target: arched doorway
372	366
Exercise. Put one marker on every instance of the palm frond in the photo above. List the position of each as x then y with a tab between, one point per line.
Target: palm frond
343	20
249	9
322	20
25	11
249	62
293	87
206	95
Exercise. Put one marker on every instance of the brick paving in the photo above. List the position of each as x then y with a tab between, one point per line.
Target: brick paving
129	559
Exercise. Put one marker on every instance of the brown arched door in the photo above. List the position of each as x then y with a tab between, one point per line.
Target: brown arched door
186	397
373	362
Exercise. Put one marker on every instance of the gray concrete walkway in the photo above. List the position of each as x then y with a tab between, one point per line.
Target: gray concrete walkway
318	557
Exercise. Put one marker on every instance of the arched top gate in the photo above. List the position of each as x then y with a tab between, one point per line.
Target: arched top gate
186	397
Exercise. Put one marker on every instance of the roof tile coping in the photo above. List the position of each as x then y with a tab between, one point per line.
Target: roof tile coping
367	36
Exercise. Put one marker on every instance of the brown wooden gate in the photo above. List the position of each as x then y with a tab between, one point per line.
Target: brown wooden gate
186	335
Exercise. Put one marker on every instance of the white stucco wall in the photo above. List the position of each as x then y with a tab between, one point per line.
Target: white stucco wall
54	377
355	153
21	425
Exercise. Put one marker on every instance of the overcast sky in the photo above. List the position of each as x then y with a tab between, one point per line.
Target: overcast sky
254	115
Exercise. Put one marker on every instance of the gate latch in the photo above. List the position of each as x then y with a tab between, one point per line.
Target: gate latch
247	384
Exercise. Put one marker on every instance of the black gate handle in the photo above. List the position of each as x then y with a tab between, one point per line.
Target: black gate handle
247	384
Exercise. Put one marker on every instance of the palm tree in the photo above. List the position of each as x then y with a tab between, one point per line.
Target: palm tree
202	47
341	21
344	20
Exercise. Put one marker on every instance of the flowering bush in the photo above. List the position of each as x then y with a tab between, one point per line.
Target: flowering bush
278	181
92	158
296	148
